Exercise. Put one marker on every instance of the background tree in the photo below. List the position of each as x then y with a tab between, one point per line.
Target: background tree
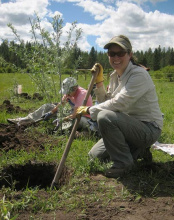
4	50
156	60
44	57
149	58
163	58
92	58
102	58
171	57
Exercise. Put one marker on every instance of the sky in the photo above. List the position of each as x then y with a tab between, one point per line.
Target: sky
147	23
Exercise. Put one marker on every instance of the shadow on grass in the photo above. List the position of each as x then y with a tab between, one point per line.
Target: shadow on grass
151	180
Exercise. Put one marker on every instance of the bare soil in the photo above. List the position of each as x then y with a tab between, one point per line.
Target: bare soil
146	207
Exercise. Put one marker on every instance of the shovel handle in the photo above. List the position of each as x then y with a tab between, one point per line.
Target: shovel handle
70	140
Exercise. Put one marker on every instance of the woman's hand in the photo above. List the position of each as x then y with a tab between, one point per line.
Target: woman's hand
47	116
99	77
82	110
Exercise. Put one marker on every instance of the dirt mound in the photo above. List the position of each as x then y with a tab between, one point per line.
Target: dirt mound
15	137
9	108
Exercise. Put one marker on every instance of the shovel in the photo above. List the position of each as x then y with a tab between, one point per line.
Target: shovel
70	140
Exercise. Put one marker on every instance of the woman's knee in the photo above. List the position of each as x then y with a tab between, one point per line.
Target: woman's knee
102	116
99	153
106	116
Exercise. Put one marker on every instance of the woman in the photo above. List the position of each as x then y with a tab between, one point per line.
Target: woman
73	94
128	114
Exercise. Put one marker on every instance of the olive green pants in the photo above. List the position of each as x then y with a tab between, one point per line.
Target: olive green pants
124	138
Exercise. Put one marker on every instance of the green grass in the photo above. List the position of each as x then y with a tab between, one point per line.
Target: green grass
80	190
166	100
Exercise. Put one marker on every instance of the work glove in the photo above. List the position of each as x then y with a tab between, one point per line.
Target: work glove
57	122
82	110
67	118
46	116
99	77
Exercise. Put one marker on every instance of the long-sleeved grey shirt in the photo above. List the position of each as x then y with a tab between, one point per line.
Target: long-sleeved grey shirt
133	93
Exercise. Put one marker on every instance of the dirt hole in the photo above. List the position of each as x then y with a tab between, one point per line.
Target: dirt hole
32	175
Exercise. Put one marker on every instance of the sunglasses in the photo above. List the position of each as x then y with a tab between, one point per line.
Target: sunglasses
118	54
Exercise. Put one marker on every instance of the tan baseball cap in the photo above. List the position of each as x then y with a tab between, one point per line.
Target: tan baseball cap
120	40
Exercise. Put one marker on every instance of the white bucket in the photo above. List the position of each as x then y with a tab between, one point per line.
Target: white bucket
19	89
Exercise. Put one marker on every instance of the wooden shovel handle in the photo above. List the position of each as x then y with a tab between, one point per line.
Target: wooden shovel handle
70	140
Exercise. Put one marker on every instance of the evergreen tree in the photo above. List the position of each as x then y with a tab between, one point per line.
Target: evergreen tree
4	51
102	58
171	58
84	60
92	59
167	55
163	58
149	58
156	60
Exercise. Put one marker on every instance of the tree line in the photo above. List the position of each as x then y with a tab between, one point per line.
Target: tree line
11	57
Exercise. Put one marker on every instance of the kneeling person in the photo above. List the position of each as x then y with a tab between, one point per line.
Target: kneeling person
73	94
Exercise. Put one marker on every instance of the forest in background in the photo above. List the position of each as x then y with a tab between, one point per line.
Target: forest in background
10	57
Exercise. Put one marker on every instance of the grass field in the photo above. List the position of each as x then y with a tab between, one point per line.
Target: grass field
85	194
164	91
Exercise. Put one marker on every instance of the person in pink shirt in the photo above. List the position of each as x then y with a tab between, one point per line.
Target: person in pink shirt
73	94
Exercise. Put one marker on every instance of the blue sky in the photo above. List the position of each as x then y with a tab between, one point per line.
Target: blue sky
71	12
147	23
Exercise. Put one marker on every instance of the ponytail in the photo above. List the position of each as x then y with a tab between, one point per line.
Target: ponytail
135	62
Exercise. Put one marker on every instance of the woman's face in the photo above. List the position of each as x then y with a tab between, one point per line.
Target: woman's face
72	93
119	61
